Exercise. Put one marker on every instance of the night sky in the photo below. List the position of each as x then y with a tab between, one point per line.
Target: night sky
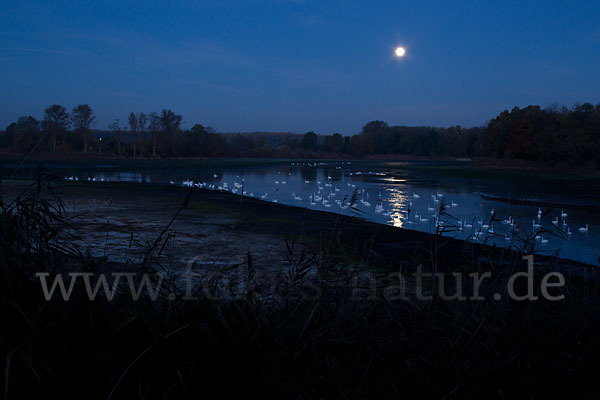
327	66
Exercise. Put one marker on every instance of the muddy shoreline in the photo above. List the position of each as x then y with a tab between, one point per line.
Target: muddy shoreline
118	221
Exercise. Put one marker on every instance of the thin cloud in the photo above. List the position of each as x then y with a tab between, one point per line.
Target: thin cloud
38	50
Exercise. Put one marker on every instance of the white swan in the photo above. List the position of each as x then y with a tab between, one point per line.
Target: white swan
584	230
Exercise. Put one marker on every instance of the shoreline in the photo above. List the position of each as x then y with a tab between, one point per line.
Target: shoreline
250	218
346	293
511	165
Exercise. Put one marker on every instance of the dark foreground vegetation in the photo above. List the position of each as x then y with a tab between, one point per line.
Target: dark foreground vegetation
554	136
350	341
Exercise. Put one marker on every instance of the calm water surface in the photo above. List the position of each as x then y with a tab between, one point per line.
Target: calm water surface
500	211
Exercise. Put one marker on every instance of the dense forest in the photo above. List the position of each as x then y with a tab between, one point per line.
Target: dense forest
549	136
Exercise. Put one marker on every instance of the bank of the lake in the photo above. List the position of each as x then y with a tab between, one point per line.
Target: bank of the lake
387	193
232	225
337	323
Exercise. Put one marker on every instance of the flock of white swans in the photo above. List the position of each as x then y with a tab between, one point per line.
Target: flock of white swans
436	213
433	212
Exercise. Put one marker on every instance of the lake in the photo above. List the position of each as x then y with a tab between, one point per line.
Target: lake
556	214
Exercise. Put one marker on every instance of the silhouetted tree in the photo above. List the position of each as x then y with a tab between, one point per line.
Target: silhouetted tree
204	142
552	135
137	127
82	118
56	123
142	120
170	130
333	143
23	135
133	127
310	141
372	133
154	126
356	146
115	127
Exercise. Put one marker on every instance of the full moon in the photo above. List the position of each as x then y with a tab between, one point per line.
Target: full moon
400	51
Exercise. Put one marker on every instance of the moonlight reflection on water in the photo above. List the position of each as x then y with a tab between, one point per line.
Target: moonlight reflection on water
484	211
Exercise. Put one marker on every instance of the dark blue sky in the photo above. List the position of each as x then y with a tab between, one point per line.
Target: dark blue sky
298	65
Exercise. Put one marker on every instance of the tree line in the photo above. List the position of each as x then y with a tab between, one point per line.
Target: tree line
552	135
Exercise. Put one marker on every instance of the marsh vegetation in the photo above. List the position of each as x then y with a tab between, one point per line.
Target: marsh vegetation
349	341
